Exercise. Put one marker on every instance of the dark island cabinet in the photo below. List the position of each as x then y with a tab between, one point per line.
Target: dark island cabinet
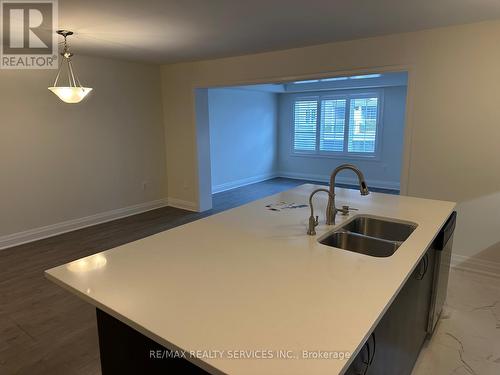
394	345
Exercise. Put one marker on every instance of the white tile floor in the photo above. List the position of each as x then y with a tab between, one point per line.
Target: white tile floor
467	338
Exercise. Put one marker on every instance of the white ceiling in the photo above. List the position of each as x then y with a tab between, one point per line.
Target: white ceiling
165	31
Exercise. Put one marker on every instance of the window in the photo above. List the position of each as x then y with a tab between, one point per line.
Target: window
305	120
363	125
337	125
332	125
365	76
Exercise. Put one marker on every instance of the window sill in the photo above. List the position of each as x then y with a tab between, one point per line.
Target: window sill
374	158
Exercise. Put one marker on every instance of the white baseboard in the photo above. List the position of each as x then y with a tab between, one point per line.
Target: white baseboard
182	204
243	182
340	179
479	266
300	176
36	234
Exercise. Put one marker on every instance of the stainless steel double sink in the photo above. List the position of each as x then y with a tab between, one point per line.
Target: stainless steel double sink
370	235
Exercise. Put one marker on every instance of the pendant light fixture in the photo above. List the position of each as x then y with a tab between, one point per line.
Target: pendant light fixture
74	92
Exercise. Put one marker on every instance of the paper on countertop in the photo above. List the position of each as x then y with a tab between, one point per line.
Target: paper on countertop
284	206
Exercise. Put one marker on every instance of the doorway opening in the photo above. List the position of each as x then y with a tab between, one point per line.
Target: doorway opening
273	136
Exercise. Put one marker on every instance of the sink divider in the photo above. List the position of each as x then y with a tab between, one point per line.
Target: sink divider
343	230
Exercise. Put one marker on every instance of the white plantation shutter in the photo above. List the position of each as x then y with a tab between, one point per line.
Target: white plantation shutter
363	125
332	125
342	125
305	119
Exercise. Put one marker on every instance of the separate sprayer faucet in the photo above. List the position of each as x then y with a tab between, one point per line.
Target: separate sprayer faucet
313	221
331	210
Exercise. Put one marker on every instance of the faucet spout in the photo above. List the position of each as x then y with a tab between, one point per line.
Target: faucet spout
331	210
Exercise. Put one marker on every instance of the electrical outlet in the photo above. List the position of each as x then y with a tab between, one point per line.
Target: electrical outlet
145	185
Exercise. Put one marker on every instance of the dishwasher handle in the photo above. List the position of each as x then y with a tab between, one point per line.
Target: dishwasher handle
446	232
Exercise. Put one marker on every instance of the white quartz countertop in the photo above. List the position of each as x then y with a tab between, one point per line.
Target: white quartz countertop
249	282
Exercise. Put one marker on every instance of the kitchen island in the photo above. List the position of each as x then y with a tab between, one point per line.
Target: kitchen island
246	291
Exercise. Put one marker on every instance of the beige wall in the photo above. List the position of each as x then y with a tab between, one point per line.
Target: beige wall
60	162
453	99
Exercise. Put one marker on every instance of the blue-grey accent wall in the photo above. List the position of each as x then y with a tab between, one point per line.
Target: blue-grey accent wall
243	136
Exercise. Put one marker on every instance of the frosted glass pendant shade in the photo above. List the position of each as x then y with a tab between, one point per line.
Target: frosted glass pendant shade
73	91
71	94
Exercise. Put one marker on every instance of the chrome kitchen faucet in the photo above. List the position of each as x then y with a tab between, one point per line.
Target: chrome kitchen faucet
331	210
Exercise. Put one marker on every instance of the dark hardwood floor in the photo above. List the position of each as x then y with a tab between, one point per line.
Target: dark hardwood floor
46	330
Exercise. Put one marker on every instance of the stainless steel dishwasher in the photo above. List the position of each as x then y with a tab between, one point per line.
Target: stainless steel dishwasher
442	246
